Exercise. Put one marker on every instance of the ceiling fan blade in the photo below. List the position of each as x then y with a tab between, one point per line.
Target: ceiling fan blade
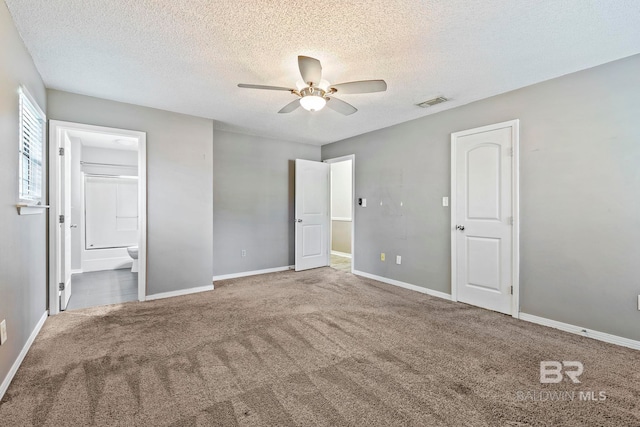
340	106
310	69
290	106
362	86
248	86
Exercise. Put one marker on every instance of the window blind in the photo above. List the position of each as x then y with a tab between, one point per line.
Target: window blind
31	141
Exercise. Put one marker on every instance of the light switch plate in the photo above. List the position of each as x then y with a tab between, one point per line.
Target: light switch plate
398	259
382	256
445	201
3	332
364	203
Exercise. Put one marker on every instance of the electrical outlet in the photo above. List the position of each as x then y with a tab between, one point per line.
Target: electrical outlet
382	256
3	332
398	259
244	252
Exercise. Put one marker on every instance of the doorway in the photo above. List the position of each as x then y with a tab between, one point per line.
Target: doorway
97	224
484	217
342	213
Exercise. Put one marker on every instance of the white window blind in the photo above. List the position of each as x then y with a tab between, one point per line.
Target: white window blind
32	122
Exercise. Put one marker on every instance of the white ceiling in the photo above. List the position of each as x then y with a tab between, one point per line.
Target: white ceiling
187	56
104	140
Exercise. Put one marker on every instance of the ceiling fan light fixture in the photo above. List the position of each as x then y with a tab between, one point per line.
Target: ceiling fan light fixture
314	92
313	102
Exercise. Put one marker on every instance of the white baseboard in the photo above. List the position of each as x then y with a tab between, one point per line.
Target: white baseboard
179	292
251	273
404	285
578	330
14	368
76	271
342	254
106	264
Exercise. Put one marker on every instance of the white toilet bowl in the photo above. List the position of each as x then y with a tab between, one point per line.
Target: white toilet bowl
133	253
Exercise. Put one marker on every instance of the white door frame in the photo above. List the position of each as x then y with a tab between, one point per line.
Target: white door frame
56	131
515	192
351	157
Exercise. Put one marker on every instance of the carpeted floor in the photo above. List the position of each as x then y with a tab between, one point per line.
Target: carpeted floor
321	347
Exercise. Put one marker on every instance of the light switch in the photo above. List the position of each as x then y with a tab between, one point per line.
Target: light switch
445	201
364	203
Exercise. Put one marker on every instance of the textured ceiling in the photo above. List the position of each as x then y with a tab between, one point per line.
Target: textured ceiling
188	55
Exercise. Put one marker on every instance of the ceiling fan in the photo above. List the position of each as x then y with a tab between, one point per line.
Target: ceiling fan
315	93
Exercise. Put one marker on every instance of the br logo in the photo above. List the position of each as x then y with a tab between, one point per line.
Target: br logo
551	371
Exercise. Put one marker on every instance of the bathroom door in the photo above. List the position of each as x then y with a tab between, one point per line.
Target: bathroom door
312	214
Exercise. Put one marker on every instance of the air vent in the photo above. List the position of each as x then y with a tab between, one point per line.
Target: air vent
434	101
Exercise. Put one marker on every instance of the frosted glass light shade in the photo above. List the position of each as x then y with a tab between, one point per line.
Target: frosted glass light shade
313	102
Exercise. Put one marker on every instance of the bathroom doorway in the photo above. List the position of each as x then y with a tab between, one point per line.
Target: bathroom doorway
342	213
97	199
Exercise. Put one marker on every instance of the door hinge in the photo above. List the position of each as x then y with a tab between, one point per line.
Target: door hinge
61	219
61	286
511	290
61	151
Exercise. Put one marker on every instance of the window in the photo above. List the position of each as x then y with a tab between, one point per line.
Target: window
32	123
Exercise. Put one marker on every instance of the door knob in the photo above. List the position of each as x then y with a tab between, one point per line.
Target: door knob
298	220
73	226
460	227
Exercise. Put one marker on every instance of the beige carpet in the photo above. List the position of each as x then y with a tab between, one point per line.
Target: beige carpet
321	347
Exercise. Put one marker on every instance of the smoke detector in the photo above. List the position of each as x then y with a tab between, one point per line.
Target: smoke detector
431	102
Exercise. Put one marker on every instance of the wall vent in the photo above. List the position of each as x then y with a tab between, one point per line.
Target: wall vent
434	101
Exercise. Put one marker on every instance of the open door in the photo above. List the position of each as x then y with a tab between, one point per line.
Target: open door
64	223
312	214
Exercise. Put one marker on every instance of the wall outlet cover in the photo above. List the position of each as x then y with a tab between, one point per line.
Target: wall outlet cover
3	332
382	256
398	259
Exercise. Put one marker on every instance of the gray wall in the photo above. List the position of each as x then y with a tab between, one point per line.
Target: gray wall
179	186
253	200
23	238
579	195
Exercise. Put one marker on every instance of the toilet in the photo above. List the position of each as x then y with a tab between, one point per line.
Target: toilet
133	253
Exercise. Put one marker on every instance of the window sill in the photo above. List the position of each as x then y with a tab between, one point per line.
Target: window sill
29	209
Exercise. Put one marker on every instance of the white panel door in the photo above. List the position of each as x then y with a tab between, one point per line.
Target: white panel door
312	214
483	218
65	227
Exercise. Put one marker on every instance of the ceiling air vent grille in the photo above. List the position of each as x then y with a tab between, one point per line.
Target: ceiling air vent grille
434	101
